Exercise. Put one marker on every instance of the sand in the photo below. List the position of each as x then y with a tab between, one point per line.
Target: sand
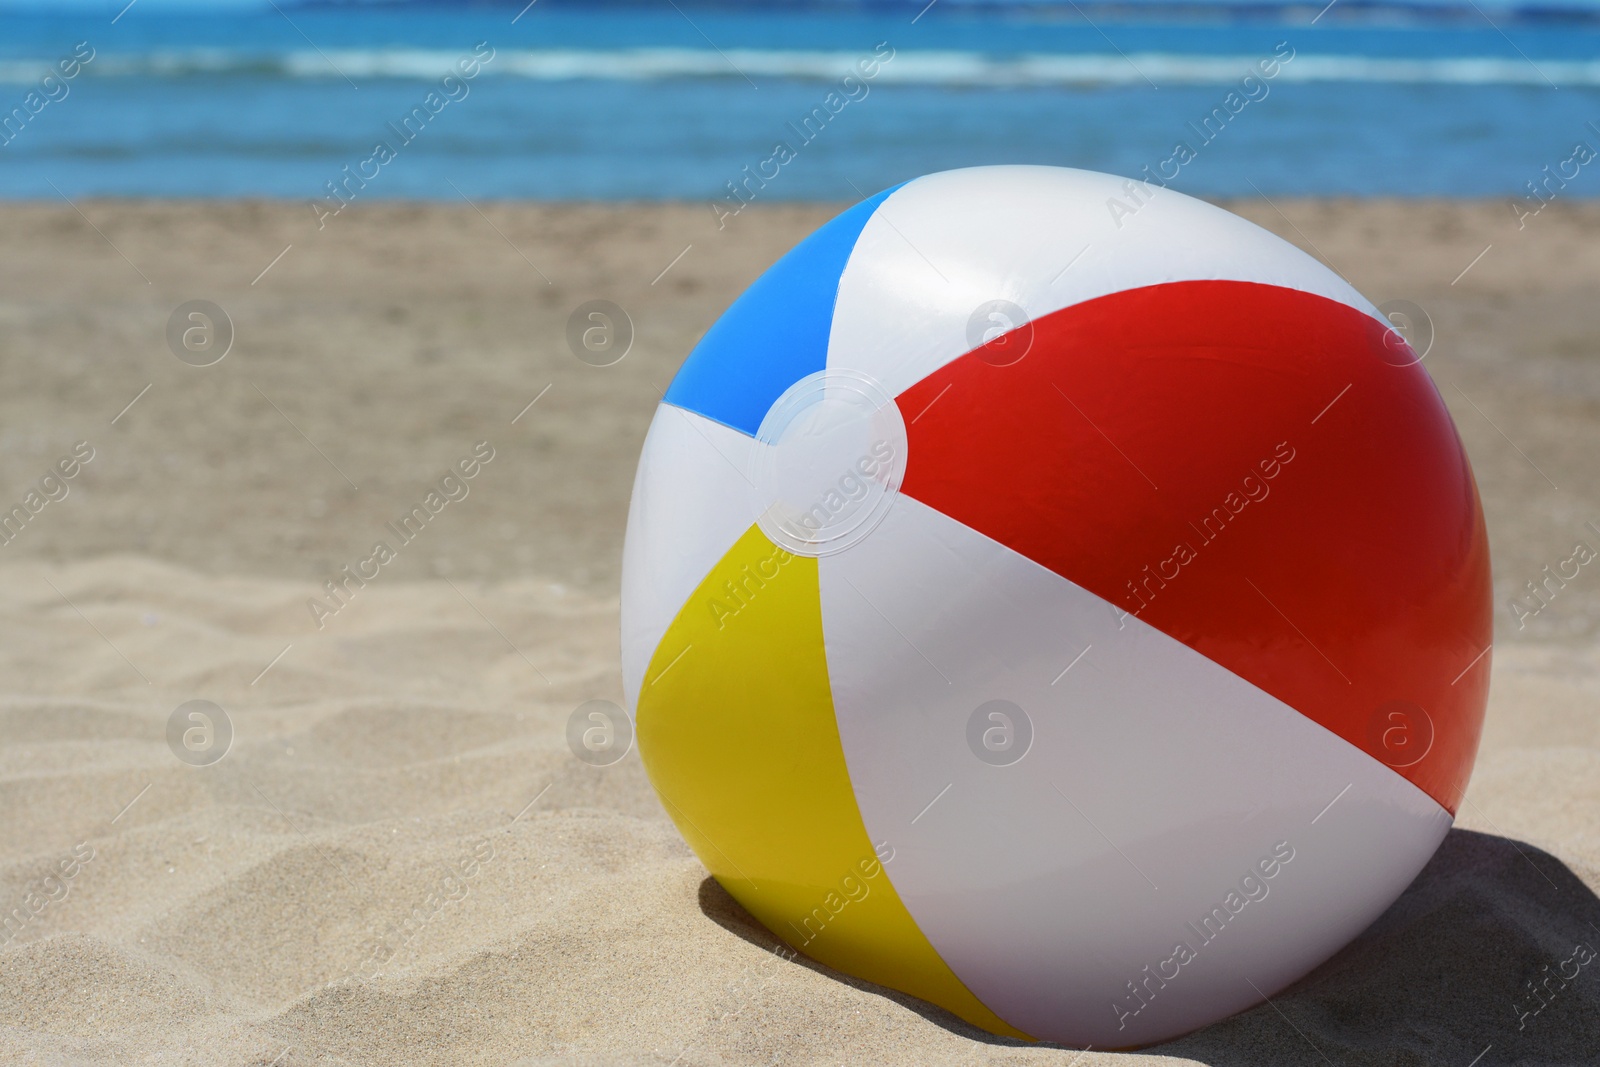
401	777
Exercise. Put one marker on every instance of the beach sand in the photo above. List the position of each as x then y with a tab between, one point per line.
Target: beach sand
412	749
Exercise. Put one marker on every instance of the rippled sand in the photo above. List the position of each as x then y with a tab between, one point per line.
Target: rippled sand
399	860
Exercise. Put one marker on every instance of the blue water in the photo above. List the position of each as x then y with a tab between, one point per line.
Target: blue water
672	103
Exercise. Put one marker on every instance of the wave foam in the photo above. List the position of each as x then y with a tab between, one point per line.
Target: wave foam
927	68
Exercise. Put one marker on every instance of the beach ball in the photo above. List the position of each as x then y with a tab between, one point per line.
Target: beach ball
1060	600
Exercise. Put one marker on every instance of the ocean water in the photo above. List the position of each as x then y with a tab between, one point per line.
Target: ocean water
673	101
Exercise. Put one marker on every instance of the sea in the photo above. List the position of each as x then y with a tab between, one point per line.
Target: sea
673	101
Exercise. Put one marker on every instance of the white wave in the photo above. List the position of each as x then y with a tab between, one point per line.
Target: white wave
929	68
